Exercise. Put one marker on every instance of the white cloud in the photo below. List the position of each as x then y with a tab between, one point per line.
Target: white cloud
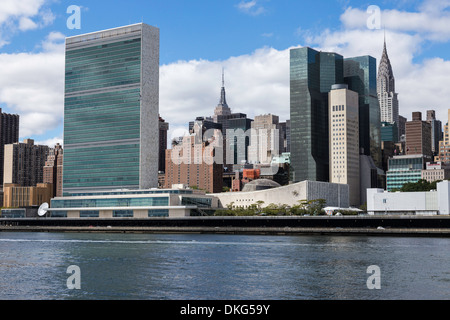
255	84
51	142
251	7
421	85
22	15
26	23
32	85
430	22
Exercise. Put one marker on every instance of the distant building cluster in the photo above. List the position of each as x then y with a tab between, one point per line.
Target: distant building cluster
345	136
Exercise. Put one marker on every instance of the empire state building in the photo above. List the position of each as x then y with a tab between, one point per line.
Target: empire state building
387	96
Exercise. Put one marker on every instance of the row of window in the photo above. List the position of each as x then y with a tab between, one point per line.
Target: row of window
112	202
96	214
339	108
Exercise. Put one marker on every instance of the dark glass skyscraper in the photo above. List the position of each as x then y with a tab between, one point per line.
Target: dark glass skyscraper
360	73
312	73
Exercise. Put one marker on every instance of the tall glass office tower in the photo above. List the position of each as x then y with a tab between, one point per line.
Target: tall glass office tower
312	73
111	110
360	73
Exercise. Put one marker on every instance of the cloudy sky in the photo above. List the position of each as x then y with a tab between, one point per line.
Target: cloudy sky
250	39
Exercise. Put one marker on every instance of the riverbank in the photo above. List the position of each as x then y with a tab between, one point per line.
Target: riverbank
402	225
423	232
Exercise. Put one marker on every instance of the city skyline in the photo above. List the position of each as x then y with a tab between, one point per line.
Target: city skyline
254	51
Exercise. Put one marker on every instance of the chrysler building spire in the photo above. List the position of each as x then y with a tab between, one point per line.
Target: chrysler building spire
387	96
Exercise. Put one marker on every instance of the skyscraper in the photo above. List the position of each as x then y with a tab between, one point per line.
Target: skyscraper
360	73
418	136
386	90
265	142
53	169
191	162
111	110
344	140
436	131
9	133
222	108
163	128
312	73
24	163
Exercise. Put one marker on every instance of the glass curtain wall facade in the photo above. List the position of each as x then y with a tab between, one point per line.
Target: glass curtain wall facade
312	74
404	169
360	73
111	110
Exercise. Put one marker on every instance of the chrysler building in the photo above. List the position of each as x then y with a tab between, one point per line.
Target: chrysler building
387	96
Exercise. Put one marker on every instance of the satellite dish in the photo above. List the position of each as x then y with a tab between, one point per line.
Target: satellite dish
43	209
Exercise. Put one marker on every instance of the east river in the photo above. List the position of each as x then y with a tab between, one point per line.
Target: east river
118	266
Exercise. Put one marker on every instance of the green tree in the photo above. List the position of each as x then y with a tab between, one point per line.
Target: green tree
421	185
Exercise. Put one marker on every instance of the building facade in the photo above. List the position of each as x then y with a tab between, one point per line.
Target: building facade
434	202
193	162
402	128
436	131
418	136
111	109
360	74
389	132
24	163
265	141
344	140
53	170
133	204
404	169
163	128
444	145
238	140
16	196
312	73
436	171
334	194
9	133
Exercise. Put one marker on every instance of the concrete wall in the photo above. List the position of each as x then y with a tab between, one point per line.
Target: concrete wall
290	195
443	191
149	108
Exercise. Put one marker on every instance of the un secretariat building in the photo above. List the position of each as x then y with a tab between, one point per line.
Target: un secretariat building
111	110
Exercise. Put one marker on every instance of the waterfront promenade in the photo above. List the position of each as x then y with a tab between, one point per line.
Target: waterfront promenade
403	225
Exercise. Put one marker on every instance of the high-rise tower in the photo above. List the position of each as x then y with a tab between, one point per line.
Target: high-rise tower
111	103
312	74
360	73
9	133
387	96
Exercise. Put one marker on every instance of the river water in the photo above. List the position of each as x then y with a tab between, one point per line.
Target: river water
113	266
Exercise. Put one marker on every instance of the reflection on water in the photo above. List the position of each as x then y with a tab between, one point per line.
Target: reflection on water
195	266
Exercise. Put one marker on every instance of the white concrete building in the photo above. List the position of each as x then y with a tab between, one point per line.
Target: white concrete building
432	202
336	195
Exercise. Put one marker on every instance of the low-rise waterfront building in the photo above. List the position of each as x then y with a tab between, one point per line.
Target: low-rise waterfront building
175	202
335	194
16	196
432	202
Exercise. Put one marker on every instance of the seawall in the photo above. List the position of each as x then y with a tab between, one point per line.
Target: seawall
403	225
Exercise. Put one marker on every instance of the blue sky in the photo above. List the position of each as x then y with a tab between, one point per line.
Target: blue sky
249	38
